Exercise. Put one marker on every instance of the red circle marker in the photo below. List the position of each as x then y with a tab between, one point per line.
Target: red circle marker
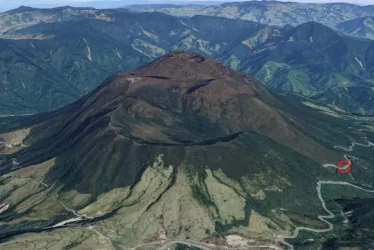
347	170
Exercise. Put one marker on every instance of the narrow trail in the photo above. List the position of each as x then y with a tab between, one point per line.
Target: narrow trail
329	215
25	179
107	239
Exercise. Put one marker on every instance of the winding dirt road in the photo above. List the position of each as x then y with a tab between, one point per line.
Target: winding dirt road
319	192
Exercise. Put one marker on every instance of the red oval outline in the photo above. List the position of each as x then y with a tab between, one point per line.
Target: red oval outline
344	171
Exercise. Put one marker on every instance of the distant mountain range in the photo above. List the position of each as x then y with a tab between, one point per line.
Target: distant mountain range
98	3
59	66
83	52
271	12
311	60
183	151
70	50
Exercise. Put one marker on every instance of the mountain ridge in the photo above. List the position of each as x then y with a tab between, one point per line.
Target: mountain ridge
274	12
360	27
284	58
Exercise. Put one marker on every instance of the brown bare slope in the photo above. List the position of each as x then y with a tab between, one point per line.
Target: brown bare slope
153	103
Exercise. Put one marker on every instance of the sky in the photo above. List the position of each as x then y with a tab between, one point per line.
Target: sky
10	4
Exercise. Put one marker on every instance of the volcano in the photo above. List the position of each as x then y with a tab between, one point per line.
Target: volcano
179	150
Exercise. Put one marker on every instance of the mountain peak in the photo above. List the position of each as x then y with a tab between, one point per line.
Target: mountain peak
185	55
189	92
185	66
21	8
313	24
313	30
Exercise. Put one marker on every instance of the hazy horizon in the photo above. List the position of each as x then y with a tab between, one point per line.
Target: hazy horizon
12	4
